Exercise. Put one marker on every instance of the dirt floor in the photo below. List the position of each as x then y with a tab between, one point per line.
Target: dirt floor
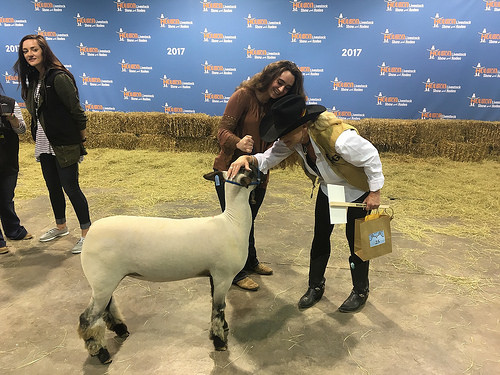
434	308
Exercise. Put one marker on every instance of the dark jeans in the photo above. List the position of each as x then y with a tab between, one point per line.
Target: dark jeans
10	221
57	179
320	249
252	260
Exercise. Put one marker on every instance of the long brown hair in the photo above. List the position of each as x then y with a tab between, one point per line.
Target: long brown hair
262	80
28	74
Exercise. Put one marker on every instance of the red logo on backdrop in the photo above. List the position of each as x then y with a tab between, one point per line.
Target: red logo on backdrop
402	6
136	95
10	79
84	21
97	107
209	5
173	110
480	102
488	37
120	6
169	21
170	109
8	20
130	7
43	5
392	101
46	6
492	5
445	55
482	71
352	23
440	87
424	115
219	7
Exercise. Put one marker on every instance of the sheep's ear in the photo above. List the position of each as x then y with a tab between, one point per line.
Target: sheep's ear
211	176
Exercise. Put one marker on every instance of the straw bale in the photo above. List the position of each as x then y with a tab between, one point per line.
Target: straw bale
175	125
392	135
464	140
433	131
461	151
156	142
105	122
208	144
126	141
487	133
422	150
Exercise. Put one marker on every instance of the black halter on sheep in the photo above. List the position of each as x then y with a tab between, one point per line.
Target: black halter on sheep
162	249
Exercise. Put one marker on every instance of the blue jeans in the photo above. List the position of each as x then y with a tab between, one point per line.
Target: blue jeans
10	221
57	179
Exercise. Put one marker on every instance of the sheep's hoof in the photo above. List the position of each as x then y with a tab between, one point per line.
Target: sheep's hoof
121	331
221	349
104	356
219	344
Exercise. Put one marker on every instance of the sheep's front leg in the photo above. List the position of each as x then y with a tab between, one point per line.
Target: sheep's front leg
219	327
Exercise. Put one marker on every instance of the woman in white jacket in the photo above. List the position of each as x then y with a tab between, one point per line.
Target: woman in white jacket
335	153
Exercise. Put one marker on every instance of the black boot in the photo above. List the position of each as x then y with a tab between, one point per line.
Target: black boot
354	302
359	293
312	296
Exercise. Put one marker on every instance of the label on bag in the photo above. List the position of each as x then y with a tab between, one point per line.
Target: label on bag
377	238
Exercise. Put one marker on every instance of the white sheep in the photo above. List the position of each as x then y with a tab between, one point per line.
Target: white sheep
162	249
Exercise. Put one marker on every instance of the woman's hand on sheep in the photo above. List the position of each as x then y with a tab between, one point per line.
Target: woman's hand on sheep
241	162
245	144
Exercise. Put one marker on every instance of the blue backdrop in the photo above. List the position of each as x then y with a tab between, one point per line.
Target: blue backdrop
360	58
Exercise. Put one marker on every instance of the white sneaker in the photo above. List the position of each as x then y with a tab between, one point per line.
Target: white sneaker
53	234
77	249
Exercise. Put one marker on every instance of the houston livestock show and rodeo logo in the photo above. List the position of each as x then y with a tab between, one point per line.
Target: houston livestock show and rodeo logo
385	59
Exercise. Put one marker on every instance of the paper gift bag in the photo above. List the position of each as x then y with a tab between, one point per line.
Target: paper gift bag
372	236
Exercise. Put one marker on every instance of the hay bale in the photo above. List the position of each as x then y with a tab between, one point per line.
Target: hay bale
466	152
486	133
105	122
433	131
462	140
422	150
388	135
208	144
124	141
156	142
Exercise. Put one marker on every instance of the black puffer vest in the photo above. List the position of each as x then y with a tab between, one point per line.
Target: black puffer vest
9	142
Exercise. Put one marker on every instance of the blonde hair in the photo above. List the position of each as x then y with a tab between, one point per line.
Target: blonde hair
324	121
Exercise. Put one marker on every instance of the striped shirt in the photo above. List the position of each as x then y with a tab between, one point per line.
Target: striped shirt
19	115
42	144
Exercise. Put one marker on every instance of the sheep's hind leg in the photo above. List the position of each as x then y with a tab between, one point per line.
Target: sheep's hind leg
114	319
219	327
91	329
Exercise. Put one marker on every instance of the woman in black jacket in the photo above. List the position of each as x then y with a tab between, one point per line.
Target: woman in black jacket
11	124
58	128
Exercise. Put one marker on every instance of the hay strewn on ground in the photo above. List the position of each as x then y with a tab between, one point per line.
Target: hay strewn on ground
458	140
434	195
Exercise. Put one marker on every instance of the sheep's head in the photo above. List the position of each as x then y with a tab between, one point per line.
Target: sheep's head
244	178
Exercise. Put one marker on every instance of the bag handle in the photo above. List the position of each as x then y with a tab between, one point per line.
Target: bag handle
384	211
